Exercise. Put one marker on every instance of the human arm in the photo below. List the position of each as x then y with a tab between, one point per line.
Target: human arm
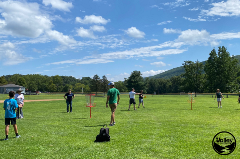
118	99
64	96
73	96
107	101
222	96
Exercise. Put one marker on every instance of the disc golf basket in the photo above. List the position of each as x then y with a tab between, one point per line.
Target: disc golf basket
90	101
191	98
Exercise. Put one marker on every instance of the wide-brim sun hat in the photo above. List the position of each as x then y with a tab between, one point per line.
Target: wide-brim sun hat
19	90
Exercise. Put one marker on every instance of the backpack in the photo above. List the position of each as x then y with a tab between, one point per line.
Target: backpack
103	135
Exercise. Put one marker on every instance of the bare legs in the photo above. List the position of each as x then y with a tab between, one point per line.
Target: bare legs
7	129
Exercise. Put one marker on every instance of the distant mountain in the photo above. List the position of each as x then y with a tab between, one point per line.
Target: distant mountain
180	70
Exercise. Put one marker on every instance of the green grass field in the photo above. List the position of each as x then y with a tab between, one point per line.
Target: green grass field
166	128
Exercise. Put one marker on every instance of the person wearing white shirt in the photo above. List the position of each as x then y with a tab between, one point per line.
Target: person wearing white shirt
132	98
20	101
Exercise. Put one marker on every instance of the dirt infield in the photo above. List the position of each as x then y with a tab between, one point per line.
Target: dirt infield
1	101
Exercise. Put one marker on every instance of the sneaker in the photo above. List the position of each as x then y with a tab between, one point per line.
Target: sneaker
221	107
138	107
18	136
135	109
110	124
128	109
114	123
6	139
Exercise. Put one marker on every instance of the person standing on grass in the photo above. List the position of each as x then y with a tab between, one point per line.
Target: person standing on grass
219	97
132	98
69	99
20	101
141	99
10	105
113	97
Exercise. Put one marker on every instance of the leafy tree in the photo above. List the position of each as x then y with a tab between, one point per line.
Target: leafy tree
120	86
52	87
57	80
32	86
135	81
176	84
192	76
22	82
14	78
221	70
104	83
152	85
95	83
78	87
3	81
67	87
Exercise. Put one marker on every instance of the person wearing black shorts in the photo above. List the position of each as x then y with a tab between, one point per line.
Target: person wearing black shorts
132	98
10	105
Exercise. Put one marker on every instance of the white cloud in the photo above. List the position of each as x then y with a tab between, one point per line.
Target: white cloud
138	65
9	56
195	20
92	19
165	22
120	77
158	64
177	3
97	28
58	4
194	37
63	39
206	0
224	9
135	33
156	6
22	19
194	9
85	33
82	61
169	31
222	36
152	73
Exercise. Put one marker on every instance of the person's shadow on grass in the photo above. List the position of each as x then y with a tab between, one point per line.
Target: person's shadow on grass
96	125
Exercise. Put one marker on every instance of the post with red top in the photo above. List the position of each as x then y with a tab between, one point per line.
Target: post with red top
90	102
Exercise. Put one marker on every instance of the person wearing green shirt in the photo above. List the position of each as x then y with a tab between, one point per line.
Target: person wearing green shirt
113	97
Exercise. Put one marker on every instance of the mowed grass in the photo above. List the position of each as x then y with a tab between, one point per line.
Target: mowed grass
166	128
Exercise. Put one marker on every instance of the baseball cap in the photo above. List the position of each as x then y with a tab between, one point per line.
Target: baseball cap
111	83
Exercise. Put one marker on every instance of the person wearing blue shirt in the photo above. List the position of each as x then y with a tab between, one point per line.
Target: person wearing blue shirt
69	98
10	105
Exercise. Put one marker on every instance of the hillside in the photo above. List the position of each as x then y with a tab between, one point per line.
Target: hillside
180	70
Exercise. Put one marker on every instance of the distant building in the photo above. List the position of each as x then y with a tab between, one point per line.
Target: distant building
11	87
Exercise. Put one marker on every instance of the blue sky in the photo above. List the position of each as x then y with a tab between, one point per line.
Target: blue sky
82	38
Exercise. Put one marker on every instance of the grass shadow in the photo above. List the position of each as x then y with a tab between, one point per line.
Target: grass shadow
235	109
213	107
125	110
96	125
79	118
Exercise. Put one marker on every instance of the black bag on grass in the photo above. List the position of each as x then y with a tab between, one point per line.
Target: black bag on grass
103	135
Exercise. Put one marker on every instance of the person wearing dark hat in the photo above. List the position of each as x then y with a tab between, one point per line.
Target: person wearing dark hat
113	97
20	101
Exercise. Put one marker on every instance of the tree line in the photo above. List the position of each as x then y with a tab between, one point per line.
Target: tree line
220	71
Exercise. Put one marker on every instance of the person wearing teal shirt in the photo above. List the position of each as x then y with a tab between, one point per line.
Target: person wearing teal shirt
10	105
113	97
